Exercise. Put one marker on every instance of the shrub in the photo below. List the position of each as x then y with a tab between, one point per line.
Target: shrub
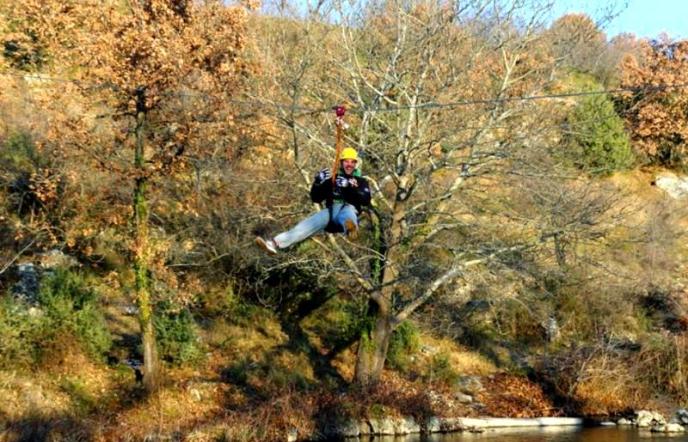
660	363
441	370
66	308
70	305
20	334
596	133
19	153
176	334
337	322
405	342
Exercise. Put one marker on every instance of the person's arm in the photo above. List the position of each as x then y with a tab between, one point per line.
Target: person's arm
363	192
322	186
355	191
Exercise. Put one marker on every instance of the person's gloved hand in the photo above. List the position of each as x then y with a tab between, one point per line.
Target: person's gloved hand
324	175
343	181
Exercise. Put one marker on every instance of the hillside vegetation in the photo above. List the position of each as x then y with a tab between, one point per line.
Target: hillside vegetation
522	256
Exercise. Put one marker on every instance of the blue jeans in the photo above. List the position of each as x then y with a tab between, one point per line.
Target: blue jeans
316	223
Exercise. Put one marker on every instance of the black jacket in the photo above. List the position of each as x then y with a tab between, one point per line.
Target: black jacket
324	190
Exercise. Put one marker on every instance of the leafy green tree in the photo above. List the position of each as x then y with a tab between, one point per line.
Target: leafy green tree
597	132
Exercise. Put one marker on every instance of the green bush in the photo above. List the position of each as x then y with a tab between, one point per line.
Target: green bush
597	135
71	305
176	335
441	370
21	332
405	342
66	309
19	153
337	322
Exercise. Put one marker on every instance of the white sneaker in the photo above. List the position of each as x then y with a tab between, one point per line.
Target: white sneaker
267	245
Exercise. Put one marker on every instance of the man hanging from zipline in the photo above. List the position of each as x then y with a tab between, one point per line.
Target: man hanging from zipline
344	195
344	191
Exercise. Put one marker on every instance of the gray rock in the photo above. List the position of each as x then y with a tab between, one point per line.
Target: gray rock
196	395
645	419
349	428
479	406
463	398
55	258
433	425
676	187
668	428
383	425
681	416
624	421
469	384
406	425
27	286
450	424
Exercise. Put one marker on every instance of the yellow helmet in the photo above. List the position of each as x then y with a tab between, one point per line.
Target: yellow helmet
349	153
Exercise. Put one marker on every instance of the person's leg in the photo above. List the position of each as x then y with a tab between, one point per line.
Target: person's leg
304	229
348	219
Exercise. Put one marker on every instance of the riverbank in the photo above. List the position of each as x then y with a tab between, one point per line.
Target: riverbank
275	398
88	401
257	376
409	425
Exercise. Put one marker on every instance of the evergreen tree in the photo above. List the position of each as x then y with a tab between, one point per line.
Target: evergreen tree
597	133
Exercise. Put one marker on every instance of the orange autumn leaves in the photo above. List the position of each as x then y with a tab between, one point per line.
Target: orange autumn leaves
656	114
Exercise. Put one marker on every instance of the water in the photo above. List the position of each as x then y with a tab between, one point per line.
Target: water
544	434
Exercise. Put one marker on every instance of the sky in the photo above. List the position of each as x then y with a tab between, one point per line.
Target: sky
644	18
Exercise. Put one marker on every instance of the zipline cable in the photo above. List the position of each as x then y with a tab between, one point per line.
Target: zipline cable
364	109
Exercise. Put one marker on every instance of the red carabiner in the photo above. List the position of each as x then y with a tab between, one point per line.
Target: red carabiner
339	111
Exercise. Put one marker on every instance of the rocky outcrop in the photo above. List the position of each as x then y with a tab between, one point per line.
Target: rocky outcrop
408	425
668	428
648	419
469	385
656	422
27	284
29	274
680	417
675	186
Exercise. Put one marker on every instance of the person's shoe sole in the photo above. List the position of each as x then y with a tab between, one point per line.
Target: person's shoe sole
264	245
351	229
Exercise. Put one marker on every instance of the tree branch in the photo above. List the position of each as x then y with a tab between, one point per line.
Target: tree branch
16	257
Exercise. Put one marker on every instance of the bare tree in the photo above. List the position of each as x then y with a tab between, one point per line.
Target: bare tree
436	92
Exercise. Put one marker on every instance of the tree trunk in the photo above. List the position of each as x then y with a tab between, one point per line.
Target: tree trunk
374	342
372	351
151	374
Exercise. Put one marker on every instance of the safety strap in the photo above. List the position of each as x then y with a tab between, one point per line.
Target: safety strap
339	124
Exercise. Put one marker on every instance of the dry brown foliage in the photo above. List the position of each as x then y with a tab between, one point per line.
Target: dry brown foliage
655	114
508	395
